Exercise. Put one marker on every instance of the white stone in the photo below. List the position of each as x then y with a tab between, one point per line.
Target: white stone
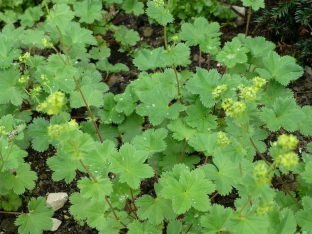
308	71
57	200
56	224
241	11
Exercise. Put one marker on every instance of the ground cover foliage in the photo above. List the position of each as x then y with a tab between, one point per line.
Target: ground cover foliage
196	133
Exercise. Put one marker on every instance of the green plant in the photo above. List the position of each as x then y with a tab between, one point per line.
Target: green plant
290	22
186	10
202	129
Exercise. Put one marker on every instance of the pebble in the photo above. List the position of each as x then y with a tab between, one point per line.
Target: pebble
56	224
57	200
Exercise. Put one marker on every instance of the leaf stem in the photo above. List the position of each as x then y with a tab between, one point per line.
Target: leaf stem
11	212
88	171
133	200
47	8
208	61
78	87
132	211
183	151
155	169
88	110
214	195
248	21
165	37
178	83
112	209
289	193
63	44
189	228
244	206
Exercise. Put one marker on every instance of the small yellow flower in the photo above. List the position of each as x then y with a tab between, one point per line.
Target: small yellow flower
159	3
261	174
258	83
175	38
227	103
234	109
249	93
46	43
2	130
287	141
54	103
23	58
218	91
23	79
287	160
222	139
54	130
264	208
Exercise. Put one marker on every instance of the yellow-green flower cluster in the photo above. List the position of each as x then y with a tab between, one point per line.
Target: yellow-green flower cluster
46	43
248	93
23	79
54	130
44	79
2	130
258	83
218	91
35	91
175	38
264	208
72	125
289	142
159	3
261	174
287	160
54	103
222	139
23	58
233	109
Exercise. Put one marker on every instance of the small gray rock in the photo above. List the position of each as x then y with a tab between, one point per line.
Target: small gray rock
57	200
56	224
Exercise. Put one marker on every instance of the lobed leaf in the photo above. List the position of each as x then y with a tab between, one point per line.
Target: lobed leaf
76	36
133	6
284	113
190	190
11	92
88	11
304	217
282	69
232	53
93	97
216	220
222	172
151	141
38	218
97	189
180	130
129	163
255	4
203	83
30	16
22	179
154	209
178	55
149	59
160	14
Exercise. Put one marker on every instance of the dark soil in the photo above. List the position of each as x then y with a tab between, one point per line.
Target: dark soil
153	36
